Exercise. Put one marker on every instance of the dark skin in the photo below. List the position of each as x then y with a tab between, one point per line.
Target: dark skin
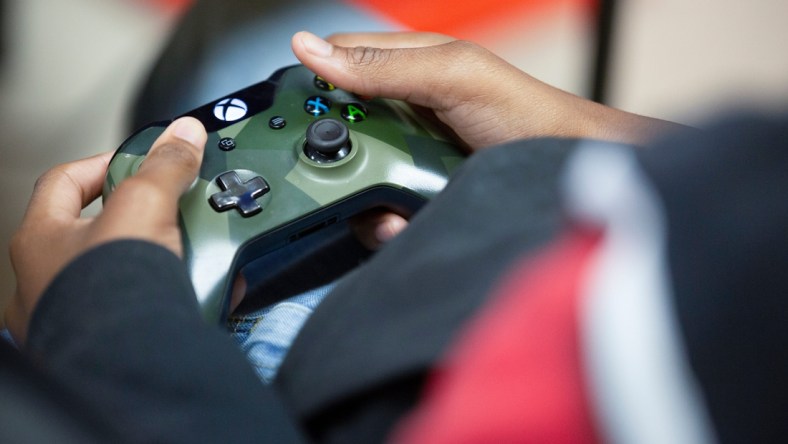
484	99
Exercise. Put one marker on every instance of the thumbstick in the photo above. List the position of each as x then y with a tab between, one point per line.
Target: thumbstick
327	140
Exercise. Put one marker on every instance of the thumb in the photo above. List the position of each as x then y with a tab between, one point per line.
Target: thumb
424	73
175	157
146	205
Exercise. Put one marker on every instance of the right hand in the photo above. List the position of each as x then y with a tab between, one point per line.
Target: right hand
484	99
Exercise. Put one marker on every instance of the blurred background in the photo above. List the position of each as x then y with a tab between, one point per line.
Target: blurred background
76	76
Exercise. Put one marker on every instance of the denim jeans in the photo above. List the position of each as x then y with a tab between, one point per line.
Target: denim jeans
6	336
265	335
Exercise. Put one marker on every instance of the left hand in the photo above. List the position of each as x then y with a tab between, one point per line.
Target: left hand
144	206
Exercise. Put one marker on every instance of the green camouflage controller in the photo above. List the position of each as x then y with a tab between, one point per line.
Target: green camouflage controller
285	158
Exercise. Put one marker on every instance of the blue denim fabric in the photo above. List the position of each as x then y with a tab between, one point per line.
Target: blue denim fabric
265	336
6	336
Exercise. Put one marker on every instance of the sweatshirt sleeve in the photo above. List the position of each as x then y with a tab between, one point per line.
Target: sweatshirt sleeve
121	329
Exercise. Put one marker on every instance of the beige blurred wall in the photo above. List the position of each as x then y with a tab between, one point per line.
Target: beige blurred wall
70	69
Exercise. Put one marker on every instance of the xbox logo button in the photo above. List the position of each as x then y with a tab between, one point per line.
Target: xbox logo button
230	109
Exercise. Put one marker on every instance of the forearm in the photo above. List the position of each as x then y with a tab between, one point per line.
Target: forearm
565	115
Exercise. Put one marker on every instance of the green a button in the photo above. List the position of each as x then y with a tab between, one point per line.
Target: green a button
354	112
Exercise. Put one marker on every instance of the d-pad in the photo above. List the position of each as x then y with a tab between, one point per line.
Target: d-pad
238	194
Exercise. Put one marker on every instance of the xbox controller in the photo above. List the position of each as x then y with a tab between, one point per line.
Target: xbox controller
285	158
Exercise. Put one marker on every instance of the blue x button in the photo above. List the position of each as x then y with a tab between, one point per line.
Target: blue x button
317	105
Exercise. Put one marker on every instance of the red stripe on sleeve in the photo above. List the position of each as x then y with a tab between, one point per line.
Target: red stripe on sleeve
516	374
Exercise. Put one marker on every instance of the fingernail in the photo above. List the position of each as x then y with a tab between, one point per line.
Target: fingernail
190	130
315	45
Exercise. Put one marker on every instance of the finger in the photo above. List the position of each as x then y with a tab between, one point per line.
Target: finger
390	72
239	292
389	39
374	229
66	189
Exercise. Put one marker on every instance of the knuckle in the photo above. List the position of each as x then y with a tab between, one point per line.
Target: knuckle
467	60
367	56
465	50
370	67
54	174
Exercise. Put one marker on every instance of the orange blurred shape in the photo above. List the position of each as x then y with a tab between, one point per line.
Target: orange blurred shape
175	6
455	17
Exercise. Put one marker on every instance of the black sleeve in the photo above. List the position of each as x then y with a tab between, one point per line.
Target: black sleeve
725	199
121	330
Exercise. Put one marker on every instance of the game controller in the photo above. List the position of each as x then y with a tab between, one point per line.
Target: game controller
285	158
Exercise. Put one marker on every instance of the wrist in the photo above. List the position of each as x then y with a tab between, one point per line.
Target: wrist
615	125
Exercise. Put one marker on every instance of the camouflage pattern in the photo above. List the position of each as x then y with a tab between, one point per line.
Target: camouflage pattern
392	149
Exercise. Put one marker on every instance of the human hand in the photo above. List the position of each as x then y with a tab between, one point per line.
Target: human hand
484	99
144	206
